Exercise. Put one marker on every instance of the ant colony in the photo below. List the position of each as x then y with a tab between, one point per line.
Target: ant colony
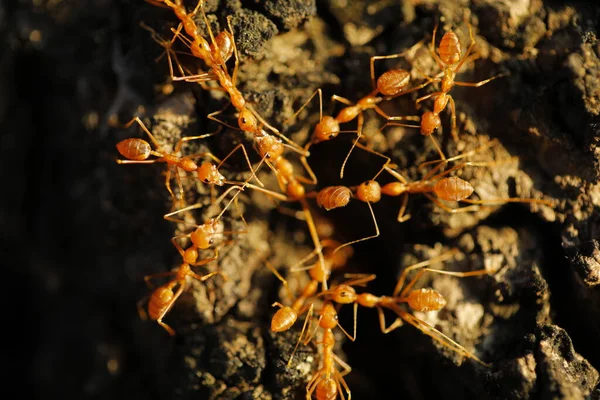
315	303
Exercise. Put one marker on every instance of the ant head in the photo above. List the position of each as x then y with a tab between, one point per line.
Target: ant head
247	121
319	274
327	129
369	191
208	173
203	237
134	149
343	294
429	123
270	147
329	317
392	82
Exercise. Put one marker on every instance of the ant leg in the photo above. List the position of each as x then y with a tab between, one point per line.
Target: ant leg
274	271
168	184
481	83
212	117
389	57
359	279
293	145
510	200
402	217
320	93
236	56
167	309
437	58
313	382
352	338
190	138
169	216
442	257
342	100
315	238
243	148
203	278
339	377
439	336
385	330
379	111
427	96
140	309
308	317
453	118
359	127
141	124
365	238
157	275
471	45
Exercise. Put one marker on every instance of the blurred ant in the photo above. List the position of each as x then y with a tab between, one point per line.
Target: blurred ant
422	300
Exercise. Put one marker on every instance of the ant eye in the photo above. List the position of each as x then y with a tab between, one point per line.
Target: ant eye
243	120
267	155
211	241
331	136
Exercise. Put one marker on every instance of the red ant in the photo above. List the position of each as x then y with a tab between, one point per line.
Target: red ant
286	316
422	300
434	186
391	84
162	299
137	151
450	62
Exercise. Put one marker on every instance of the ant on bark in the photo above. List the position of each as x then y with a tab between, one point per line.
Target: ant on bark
423	300
450	63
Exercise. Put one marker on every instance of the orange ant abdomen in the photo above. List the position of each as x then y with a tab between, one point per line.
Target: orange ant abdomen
450	48
333	197
283	319
429	123
453	189
326	389
160	301
327	129
426	300
224	42
391	82
369	191
134	149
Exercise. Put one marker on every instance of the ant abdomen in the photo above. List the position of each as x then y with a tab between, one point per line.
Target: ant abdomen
391	82
333	197
450	50
426	300
326	389
134	149
160	301
283	319
453	189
